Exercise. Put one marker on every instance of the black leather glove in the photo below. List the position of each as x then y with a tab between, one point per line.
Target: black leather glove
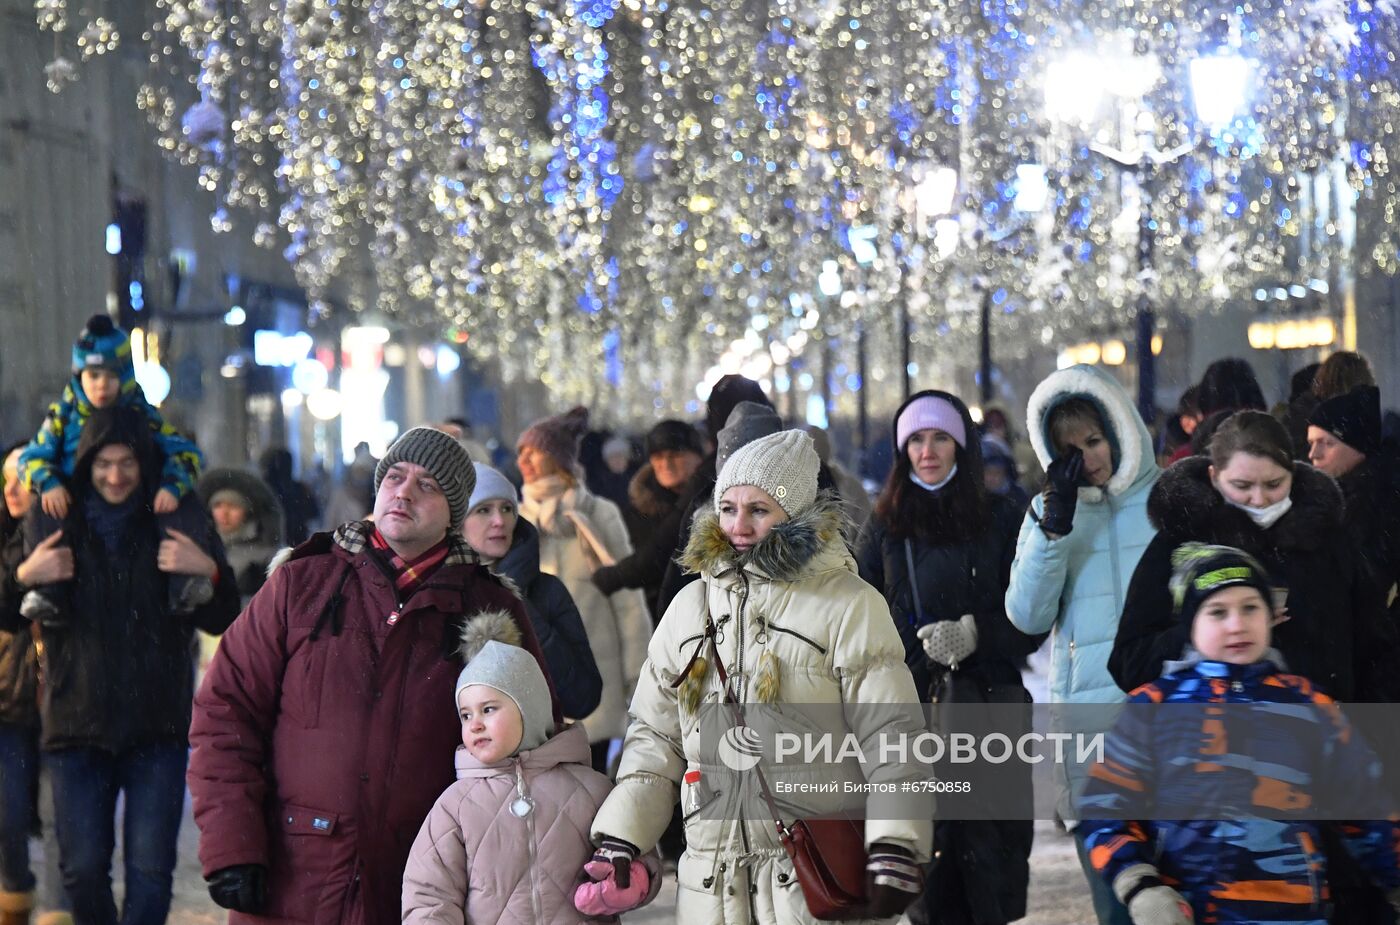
892	881
242	888
1062	481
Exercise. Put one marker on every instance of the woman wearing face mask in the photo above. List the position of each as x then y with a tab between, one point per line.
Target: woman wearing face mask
1251	494
779	612
510	545
939	548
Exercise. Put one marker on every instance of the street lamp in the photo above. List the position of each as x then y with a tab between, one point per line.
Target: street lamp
1219	86
1144	162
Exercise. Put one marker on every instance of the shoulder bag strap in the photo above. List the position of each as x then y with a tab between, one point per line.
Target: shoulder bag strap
737	709
913	581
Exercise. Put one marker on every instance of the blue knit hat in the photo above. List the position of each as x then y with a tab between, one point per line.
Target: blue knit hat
103	345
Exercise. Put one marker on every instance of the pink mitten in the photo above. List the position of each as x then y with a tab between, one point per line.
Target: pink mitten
605	896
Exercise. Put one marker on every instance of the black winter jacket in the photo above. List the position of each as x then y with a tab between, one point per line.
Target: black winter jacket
19	661
952	580
557	623
1373	518
119	669
1336	634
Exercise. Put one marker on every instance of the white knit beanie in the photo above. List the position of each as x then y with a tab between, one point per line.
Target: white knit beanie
490	486
784	465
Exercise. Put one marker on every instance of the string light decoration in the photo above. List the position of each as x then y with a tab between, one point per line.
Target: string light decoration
608	193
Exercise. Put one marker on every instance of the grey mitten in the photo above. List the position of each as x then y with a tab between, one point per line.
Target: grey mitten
1149	900
948	642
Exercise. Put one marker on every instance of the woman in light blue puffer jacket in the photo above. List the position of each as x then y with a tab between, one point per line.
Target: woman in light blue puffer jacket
1072	581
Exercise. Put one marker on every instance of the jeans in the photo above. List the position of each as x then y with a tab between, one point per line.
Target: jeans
86	782
1106	906
19	778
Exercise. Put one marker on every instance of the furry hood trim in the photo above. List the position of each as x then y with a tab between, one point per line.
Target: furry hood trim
648	496
1129	435
1186	506
783	555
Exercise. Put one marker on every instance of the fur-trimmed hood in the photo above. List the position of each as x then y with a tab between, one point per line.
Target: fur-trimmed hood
788	552
1131	442
647	496
1186	506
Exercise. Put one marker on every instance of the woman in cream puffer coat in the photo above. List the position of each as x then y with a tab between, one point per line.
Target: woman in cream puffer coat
796	625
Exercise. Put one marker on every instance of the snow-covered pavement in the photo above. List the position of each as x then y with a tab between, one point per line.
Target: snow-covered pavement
1058	895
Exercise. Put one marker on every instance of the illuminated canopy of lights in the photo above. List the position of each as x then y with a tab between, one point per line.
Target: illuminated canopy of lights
642	182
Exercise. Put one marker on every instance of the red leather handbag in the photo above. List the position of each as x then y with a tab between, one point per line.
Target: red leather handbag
828	855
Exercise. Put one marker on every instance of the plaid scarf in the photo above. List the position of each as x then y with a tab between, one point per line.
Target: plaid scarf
409	576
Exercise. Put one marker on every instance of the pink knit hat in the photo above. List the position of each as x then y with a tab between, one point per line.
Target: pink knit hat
927	412
558	436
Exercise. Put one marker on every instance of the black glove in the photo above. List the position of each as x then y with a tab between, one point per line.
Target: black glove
607	580
242	888
892	881
1062	480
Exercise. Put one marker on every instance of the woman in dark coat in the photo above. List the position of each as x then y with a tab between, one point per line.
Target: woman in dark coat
934	515
1251	494
510	544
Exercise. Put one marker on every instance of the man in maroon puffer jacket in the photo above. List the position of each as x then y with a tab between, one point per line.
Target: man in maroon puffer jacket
320	739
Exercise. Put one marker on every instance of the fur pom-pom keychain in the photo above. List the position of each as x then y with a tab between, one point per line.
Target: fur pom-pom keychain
767	679
693	684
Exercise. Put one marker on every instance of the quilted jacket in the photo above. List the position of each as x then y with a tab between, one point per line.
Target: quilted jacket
475	861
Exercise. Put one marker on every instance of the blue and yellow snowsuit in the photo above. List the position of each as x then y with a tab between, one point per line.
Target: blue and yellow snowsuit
1266	865
47	461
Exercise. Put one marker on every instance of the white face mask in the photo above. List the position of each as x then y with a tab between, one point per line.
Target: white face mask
1264	517
913	477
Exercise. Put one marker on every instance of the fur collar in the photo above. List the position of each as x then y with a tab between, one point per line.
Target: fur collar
1185	506
648	497
785	554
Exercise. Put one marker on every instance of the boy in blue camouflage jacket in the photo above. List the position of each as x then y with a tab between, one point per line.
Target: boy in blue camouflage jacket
104	376
1266	749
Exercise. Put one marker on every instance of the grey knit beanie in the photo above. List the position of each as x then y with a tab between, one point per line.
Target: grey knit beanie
784	465
444	459
515	673
491	486
746	423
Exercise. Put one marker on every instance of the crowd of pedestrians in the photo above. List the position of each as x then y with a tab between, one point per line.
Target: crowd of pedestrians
585	616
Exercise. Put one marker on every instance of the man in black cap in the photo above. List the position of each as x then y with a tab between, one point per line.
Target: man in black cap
656	492
738	412
1344	441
